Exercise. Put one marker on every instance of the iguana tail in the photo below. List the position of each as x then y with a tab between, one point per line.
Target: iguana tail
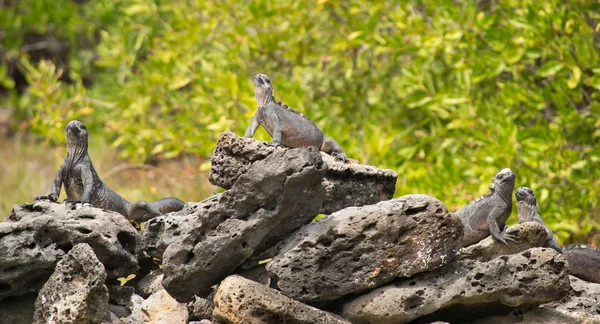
584	261
167	205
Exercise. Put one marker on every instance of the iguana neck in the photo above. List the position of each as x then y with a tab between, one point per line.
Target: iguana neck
264	99
505	197
526	211
76	151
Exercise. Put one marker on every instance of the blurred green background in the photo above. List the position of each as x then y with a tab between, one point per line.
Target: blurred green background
446	93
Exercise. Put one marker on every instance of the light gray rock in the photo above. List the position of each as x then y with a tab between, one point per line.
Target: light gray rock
360	248
580	305
239	300
346	184
36	236
275	196
75	292
160	307
202	308
528	235
532	277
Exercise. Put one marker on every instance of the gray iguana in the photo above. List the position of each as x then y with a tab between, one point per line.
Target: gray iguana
83	185
286	126
529	212
488	214
584	261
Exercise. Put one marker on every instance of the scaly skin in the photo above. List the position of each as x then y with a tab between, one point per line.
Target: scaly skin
286	126
488	214
529	212
83	185
584	261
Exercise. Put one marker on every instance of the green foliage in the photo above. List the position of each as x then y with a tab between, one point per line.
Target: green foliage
446	93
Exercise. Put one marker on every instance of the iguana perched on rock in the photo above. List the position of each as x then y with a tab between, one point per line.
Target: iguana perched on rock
488	214
83	185
529	212
286	126
584	261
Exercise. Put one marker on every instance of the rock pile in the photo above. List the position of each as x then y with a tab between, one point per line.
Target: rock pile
254	255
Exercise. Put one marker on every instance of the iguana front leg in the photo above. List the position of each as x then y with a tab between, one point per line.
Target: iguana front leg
276	128
55	187
142	211
499	235
252	127
331	147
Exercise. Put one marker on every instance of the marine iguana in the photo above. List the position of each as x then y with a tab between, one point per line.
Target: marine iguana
584	261
286	126
83	185
529	212
488	214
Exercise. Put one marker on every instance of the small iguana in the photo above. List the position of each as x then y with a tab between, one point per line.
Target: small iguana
584	261
529	212
83	185
286	126
488	214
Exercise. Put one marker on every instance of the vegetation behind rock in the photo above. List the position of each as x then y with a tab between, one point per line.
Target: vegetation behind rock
446	93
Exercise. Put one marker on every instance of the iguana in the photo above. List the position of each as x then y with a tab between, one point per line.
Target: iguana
286	126
584	261
488	214
83	185
529	212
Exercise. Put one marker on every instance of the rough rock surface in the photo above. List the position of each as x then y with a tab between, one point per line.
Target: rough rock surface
36	236
239	300
160	307
202	308
149	284
345	184
359	248
528	235
75	292
275	196
535	276
580	305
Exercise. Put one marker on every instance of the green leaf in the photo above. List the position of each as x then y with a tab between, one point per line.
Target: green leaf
550	68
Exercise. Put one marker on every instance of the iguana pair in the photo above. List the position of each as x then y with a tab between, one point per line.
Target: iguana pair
488	214
83	185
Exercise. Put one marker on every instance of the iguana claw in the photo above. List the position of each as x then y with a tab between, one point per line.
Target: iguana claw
50	197
503	237
273	144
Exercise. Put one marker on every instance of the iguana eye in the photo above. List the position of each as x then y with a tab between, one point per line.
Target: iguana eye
268	81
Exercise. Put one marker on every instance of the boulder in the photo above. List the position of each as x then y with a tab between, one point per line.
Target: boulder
18	310
35	236
75	292
466	289
528	235
160	307
360	248
239	300
345	184
580	305
275	196
148	284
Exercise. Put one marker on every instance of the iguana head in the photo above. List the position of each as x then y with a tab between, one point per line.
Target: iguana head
263	90
504	180
525	195
77	137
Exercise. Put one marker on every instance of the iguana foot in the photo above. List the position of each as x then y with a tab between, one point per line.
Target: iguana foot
50	197
75	204
341	158
273	144
503	237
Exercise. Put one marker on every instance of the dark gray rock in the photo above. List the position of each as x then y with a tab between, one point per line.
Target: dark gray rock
275	196
202	308
17	310
360	248
120	295
535	276
149	283
75	292
36	236
346	184
580	305
118	310
239	300
111	318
